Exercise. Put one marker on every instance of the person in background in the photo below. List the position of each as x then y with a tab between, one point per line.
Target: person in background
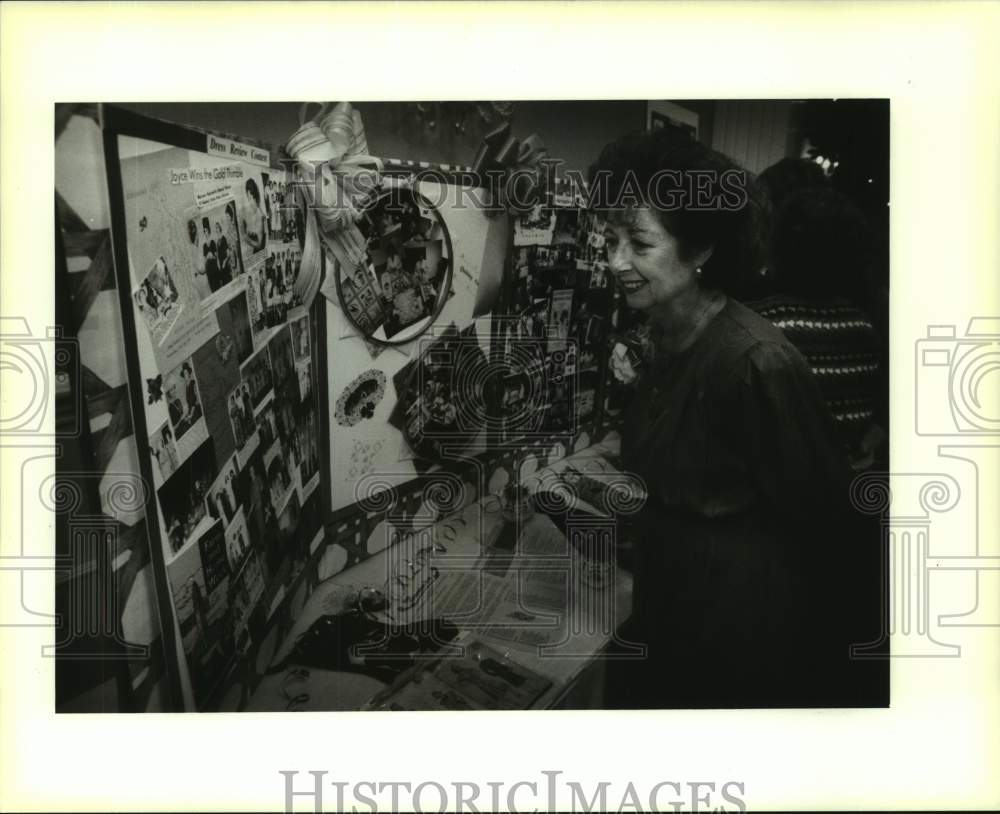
817	293
747	543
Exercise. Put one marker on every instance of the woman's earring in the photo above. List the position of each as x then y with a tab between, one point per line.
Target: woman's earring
697	272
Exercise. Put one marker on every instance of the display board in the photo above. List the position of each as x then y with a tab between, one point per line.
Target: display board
223	357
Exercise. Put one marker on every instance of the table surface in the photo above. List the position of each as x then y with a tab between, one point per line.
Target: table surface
576	633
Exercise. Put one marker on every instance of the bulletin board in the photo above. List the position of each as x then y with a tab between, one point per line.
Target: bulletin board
223	354
373	388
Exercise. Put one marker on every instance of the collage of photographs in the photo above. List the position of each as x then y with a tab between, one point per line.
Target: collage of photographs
406	274
558	313
234	432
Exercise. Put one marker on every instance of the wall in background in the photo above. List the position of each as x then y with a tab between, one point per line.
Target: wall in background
574	131
753	133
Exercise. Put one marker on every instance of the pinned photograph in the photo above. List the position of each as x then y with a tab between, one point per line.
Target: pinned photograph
248	589
237	540
215	566
267	425
222	498
182	498
241	336
560	310
241	417
202	618
253	222
280	351
300	337
303	371
536	227
255	292
157	301
307	436
590	241
275	203
216	258
184	407
410	285
286	260
279	478
256	373
164	452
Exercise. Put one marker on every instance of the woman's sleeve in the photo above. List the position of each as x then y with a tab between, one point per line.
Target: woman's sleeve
788	437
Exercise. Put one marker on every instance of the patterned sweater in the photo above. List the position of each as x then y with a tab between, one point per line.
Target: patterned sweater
840	344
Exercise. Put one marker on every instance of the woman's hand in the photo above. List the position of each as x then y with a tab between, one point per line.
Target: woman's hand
621	365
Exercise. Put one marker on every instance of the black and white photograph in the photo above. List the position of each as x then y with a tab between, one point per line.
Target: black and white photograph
703	467
237	540
241	418
182	498
242	336
253	221
267	423
300	337
215	566
222	499
216	256
184	406
307	441
157	301
279	350
256	375
164	451
278	473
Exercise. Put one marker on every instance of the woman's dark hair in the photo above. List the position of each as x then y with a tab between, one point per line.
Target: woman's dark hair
192	231
252	190
788	176
206	225
821	246
701	197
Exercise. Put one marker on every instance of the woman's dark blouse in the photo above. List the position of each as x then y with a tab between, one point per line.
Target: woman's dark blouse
748	491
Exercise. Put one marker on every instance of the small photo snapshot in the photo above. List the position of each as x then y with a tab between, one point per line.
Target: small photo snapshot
241	417
164	451
237	540
242	336
157	300
300	337
180	388
256	373
222	499
182	497
214	242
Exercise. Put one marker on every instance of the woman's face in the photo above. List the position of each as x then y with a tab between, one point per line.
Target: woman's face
644	258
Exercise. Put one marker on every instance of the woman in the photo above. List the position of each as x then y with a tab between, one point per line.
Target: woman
818	292
254	219
747	523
